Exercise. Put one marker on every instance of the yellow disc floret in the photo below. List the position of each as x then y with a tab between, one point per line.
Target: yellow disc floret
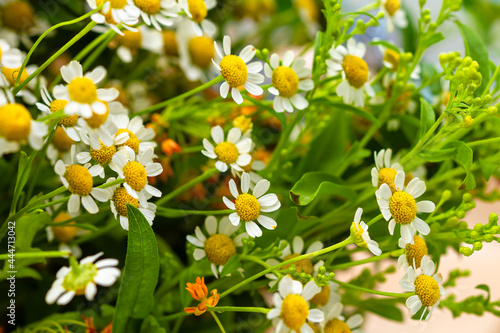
121	198
79	179
304	265
403	207
150	7
234	70
58	105
386	176
61	141
198	10
392	57
427	290
247	207
219	249
135	175
244	123
226	152
132	142
336	326
392	6
82	90
15	122
414	253
96	120
322	297
294	311
130	39
286	81
115	4
66	233
18	15
201	50
103	155
356	70
12	73
357	235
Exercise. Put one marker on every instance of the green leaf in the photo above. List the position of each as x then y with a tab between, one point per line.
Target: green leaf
485	288
434	38
464	157
427	117
313	184
231	265
341	106
436	155
140	274
23	173
477	50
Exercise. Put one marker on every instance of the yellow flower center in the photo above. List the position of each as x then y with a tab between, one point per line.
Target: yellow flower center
392	6
132	142
294	311
115	4
79	179
356	70
121	198
304	265
234	70
386	176
130	39
243	123
61	140
247	168
357	234
227	152
286	81
58	105
403	207
310	7
103	155
416	251
198	10
97	120
170	43
201	50
82	90
322	297
15	122
78	281
66	233
219	249
12	73
427	290
247	207
150	7
18	15
392	57
135	175
336	326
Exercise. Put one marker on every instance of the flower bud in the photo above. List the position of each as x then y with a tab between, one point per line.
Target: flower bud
465	251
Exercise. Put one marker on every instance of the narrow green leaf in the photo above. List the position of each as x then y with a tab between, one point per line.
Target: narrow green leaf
313	184
341	106
427	117
386	45
23	173
436	155
231	265
485	288
434	38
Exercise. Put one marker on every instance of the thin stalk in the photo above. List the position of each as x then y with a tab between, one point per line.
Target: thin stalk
25	255
395	253
168	212
375	292
218	322
207	174
238	309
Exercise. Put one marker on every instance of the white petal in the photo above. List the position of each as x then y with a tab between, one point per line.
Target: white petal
261	188
267	222
253	229
199	254
211	225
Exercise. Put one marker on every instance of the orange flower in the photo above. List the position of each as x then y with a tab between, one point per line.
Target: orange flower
199	292
169	147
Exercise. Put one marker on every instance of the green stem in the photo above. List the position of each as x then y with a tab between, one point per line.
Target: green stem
485	141
238	309
97	52
207	174
395	253
255	259
375	292
218	322
492	79
192	149
169	212
375	219
25	255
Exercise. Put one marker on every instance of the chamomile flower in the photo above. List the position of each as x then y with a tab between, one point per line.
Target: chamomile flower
139	137
248	207
9	56
82	93
400	207
131	41
250	168
220	245
359	232
427	287
385	169
291	312
232	153
394	14
289	80
413	252
114	13
197	10
60	146
334	321
158	12
81	279
236	72
355	72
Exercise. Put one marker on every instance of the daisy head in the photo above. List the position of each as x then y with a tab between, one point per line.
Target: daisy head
237	72
114	13
413	252
385	170
234	152
335	322
360	235
394	14
400	207
139	137
248	207
197	11
289	80
355	72
291	310
80	278
426	286
251	168
219	246
157	12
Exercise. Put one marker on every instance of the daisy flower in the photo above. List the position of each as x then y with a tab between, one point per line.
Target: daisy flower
427	287
394	14
139	137
131	41
355	72
236	72
289	79
9	56
248	207
234	152
250	168
116	12
400	207
82	93
335	322
197	10
156	12
291	310
359	232
220	245
81	279
385	170
413	252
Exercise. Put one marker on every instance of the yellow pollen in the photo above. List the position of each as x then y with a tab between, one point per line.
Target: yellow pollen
115	4
201	50
150	7
18	15
336	326
427	290
294	311
135	175
304	265
170	43
82	90
234	70
130	39
356	70
96	120
322	297
219	249
12	73
226	152
198	10
66	233
386	176
403	207
247	207
15	122
121	198
132	142
392	57
79	179
243	123
61	140
103	155
357	234
286	81
416	251
58	105
392	6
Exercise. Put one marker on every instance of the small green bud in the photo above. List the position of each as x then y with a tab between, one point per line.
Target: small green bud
466	61
465	251
474	234
493	218
426	18
468	100
456	5
446	195
478	227
433	26
421	2
495	229
487	99
462	225
492	110
322	270
474	65
467	197
460	214
279	253
489	238
477	246
443	59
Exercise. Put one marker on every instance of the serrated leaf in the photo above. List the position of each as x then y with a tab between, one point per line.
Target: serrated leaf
427	117
313	184
231	266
